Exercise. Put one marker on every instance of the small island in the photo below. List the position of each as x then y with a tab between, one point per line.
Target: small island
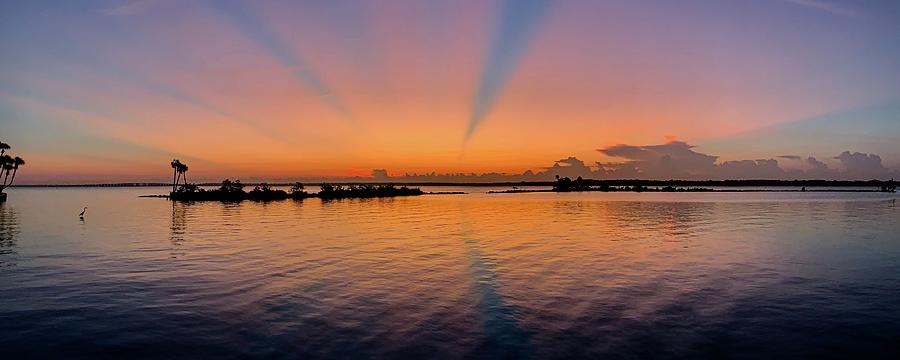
234	190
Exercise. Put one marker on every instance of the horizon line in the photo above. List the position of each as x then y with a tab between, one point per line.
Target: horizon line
682	182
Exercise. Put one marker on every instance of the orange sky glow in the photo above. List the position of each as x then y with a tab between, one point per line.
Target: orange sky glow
280	90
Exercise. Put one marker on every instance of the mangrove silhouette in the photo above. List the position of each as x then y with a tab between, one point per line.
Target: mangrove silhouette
332	191
234	191
8	164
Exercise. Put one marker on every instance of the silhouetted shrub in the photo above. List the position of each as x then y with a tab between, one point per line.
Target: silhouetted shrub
188	188
565	185
229	186
333	191
264	192
890	186
228	191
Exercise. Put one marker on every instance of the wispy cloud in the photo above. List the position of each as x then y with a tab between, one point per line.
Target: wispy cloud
825	6
128	8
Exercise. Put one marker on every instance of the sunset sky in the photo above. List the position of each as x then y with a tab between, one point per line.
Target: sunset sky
113	90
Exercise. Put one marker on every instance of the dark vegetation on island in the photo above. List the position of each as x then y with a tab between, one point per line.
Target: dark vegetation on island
234	190
332	191
566	184
8	165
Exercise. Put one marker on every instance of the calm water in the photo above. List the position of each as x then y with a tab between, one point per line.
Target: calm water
620	275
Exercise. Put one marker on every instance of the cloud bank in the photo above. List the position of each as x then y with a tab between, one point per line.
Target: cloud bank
678	160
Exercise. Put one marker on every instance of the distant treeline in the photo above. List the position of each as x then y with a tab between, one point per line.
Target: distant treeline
136	184
572	186
736	183
566	184
234	191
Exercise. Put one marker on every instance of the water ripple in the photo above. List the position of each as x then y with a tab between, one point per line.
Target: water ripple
474	276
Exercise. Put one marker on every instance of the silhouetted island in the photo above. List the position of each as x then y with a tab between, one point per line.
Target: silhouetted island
234	191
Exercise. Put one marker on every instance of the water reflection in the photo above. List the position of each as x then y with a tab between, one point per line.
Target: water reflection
178	227
9	230
503	338
531	275
671	221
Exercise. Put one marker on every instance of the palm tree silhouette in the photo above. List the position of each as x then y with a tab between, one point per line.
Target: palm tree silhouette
9	164
183	168
6	165
16	163
179	172
6	168
176	165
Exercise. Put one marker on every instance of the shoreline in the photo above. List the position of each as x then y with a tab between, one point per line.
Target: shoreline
589	182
